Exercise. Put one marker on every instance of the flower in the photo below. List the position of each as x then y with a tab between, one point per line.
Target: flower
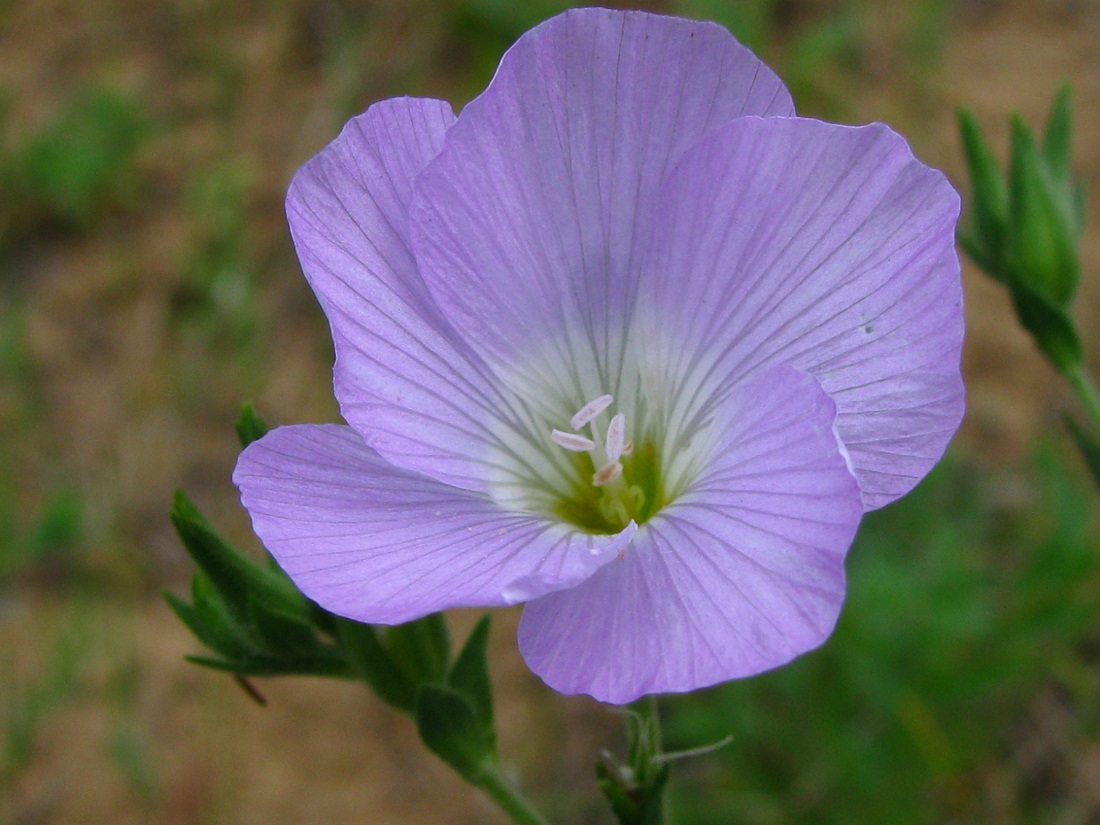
626	340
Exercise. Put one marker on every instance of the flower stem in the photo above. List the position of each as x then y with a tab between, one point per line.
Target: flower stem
509	799
1083	385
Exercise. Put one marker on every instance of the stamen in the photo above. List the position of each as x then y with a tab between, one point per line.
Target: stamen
590	411
572	441
607	474
628	447
616	437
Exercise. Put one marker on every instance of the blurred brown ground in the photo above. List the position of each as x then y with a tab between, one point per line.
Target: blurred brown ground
136	407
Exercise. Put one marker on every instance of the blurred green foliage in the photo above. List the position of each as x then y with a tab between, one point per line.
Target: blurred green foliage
219	291
79	166
965	609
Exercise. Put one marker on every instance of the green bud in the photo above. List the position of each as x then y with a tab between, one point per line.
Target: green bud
1043	253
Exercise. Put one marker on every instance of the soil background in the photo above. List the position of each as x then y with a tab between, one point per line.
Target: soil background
135	359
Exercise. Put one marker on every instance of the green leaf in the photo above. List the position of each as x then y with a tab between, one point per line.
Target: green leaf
235	576
990	201
323	665
250	427
422	648
282	634
221	638
469	675
1086	445
1056	142
375	665
449	727
227	635
1043	241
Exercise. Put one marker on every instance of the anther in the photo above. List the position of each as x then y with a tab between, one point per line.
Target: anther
590	411
616	437
628	447
607	474
572	441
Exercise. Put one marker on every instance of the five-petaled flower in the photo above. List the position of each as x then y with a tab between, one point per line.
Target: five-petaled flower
626	340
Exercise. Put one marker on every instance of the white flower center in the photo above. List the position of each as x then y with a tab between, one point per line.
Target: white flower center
620	501
567	450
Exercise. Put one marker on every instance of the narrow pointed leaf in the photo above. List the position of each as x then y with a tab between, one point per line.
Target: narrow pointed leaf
282	634
214	664
470	676
225	633
990	202
235	576
220	639
322	665
450	729
1056	142
250	427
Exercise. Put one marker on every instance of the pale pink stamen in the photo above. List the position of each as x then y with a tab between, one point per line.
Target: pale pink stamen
616	437
607	474
590	411
572	441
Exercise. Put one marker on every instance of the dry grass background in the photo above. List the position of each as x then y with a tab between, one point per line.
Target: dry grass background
133	368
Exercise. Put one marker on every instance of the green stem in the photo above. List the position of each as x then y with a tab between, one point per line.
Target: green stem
651	718
509	799
1083	385
650	771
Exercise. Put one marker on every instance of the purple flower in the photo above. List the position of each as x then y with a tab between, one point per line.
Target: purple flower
626	340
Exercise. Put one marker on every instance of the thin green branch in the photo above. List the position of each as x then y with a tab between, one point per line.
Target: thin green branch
509	799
